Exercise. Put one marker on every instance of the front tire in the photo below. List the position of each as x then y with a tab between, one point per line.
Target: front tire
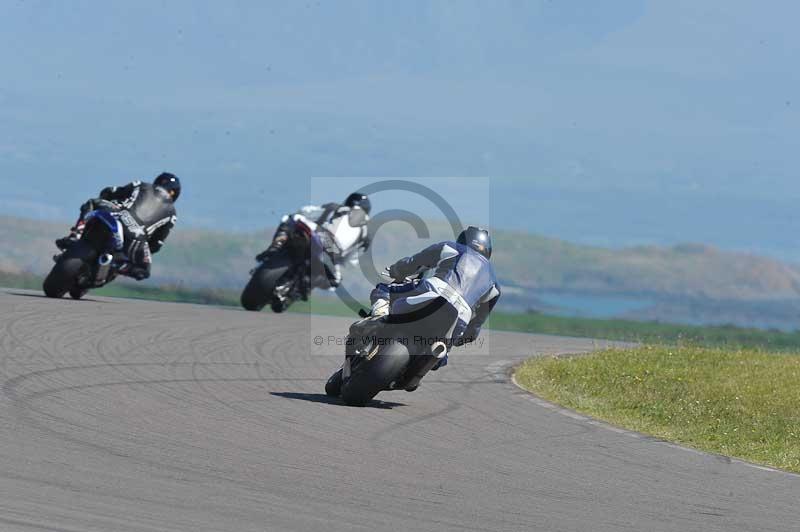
65	272
372	376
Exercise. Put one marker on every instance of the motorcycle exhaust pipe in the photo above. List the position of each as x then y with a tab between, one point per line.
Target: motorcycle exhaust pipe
104	266
422	364
439	350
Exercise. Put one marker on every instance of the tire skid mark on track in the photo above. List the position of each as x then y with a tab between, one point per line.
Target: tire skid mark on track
128	429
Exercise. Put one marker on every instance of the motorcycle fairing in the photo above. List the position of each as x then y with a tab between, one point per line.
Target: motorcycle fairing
113	224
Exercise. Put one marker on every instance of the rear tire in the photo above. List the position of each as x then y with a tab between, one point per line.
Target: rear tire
372	376
261	286
333	388
77	293
64	274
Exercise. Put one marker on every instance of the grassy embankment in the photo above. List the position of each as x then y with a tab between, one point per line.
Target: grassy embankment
176	294
736	402
681	281
648	332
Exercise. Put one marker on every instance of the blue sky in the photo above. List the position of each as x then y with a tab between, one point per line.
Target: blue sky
612	123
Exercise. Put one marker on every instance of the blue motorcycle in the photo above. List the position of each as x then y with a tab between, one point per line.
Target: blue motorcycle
91	262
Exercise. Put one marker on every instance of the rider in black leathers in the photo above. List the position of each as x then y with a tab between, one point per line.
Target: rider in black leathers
147	213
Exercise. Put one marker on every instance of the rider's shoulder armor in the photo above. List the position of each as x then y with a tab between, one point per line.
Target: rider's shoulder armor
152	207
467	271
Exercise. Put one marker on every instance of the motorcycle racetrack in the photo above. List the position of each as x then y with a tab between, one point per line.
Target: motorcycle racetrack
121	415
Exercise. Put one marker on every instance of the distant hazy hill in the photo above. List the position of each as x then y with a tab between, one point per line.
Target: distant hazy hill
527	265
691	270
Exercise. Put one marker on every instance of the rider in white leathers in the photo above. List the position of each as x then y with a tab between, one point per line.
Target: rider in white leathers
341	229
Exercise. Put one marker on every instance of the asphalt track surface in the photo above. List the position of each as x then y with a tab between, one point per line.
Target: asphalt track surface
121	415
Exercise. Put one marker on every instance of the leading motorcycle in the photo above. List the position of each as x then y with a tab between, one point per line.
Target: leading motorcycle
94	260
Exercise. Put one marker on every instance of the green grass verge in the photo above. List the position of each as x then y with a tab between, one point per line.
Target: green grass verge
178	294
626	330
740	403
647	332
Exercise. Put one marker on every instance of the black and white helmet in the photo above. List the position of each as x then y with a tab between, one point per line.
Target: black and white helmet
477	239
357	199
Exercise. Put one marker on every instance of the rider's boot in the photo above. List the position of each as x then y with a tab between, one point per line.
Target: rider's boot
73	236
417	368
278	305
278	241
420	365
334	275
281	297
301	288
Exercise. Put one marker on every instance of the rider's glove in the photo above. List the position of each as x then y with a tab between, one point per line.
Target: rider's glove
387	273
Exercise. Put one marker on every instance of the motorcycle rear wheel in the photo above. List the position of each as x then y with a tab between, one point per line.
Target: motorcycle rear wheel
77	293
372	376
65	272
333	388
260	288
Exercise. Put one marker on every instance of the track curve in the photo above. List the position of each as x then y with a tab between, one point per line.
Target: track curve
138	416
